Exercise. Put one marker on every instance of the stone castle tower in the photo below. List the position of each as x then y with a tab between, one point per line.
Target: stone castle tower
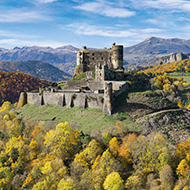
87	59
108	99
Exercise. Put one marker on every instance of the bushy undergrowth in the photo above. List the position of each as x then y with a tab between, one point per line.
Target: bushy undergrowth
179	66
168	83
33	157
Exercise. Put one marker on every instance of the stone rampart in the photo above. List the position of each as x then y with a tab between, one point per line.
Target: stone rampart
120	88
81	100
56	98
96	97
96	85
34	98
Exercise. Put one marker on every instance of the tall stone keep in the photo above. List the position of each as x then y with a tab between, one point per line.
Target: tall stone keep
117	56
108	98
88	59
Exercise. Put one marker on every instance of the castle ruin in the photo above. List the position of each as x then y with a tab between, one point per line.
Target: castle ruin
106	63
99	93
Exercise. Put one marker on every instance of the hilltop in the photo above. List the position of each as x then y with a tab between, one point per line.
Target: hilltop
37	69
165	94
154	46
55	56
143	145
13	83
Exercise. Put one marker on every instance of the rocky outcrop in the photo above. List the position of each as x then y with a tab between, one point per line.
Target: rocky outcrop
173	58
173	125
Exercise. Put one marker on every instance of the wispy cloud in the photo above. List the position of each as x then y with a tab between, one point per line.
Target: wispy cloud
10	43
41	1
122	25
183	19
151	30
186	28
84	29
153	21
93	30
46	1
22	15
5	33
105	9
162	4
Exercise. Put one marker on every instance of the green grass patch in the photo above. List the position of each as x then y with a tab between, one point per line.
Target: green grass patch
62	84
141	91
87	119
185	78
81	76
133	92
178	73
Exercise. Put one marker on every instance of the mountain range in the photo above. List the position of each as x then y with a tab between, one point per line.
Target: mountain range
59	57
37	69
143	53
152	49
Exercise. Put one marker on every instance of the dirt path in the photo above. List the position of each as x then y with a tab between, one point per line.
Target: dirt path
155	113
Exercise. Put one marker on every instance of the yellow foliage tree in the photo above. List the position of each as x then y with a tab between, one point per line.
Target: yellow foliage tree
34	149
89	154
114	146
113	181
61	138
149	153
106	164
133	182
66	184
182	154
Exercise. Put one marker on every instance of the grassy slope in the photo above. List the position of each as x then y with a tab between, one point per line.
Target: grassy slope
185	78
87	119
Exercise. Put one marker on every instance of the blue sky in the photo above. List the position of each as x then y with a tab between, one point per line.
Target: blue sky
94	23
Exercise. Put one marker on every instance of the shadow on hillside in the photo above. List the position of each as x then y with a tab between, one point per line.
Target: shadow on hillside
133	109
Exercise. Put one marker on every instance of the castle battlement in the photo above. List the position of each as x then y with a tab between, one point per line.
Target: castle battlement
101	93
88	59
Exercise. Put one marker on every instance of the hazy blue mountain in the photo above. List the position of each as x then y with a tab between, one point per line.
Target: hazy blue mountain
65	57
36	68
153	46
64	54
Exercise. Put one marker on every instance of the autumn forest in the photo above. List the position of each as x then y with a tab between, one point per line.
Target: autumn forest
35	157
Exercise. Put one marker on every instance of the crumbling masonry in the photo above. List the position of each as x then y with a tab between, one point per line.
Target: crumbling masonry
99	93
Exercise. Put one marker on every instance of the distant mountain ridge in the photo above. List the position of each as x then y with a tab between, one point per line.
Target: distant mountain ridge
64	57
154	46
64	54
37	69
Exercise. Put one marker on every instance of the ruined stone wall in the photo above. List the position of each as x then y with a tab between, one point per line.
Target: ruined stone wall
104	73
81	100
87	59
93	99
108	98
34	98
119	88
